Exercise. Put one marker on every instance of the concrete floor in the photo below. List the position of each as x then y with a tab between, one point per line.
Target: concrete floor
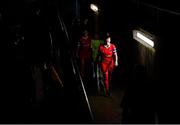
106	109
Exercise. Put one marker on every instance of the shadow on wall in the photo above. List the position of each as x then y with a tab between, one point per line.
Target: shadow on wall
137	103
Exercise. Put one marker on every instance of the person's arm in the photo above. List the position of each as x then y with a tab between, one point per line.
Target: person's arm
116	56
116	59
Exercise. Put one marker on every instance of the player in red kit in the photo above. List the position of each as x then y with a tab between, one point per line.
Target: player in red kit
84	54
108	60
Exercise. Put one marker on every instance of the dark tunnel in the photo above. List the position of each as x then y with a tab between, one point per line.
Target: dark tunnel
41	80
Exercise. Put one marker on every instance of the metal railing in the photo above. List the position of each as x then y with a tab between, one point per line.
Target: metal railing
74	65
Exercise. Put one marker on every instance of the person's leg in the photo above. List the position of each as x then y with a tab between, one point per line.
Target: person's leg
110	71
93	70
106	83
82	67
104	67
98	77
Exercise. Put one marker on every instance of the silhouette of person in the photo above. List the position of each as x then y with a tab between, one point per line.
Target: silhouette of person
84	54
95	43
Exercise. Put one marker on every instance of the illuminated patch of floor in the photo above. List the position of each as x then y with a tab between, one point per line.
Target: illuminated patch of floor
107	109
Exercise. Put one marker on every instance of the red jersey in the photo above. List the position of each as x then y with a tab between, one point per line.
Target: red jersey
84	42
84	47
107	52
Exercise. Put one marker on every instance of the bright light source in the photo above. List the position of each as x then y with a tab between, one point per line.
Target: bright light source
143	38
148	41
94	8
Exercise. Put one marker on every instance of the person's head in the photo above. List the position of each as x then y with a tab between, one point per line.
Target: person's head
85	33
107	39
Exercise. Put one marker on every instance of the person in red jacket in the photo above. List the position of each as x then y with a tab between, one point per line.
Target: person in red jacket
84	54
108	60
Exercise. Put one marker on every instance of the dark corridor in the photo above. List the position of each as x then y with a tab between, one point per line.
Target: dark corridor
40	78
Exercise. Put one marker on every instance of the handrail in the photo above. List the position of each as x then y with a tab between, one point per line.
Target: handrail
74	64
75	67
51	51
